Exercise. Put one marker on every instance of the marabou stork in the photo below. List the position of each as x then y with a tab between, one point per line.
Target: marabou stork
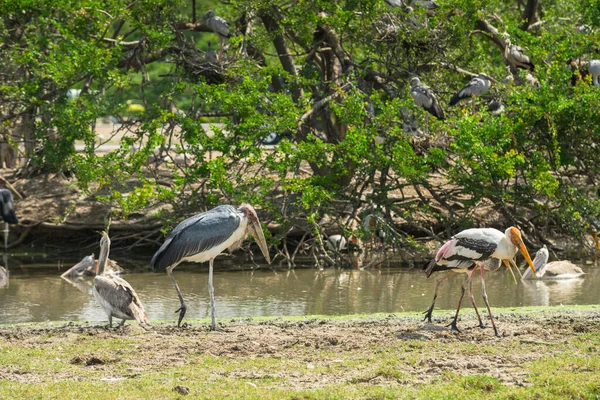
476	246
478	85
219	26
553	270
202	238
115	294
424	97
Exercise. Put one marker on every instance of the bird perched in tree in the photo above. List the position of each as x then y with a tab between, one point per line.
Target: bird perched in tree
202	238
516	57
424	97
594	69
553	270
427	4
476	246
394	3
218	25
115	294
476	86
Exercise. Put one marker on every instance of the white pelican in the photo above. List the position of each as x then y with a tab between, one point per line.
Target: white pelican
476	86
476	246
553	270
424	97
115	294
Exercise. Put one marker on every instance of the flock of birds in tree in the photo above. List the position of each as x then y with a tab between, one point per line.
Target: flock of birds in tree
204	236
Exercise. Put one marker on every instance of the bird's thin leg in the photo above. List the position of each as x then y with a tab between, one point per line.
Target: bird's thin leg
485	298
211	291
110	320
121	323
481	325
437	286
5	236
183	307
220	48
464	287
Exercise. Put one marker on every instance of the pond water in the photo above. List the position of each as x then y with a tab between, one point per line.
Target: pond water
39	294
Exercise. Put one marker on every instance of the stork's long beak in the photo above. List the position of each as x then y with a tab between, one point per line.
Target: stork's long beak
514	265
259	237
510	269
595	235
523	251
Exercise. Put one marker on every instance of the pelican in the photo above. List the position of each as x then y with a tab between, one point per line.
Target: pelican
476	86
115	294
476	246
219	26
202	238
552	270
424	97
594	69
516	57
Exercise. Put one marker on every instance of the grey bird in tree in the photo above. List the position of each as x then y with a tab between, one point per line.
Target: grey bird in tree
553	270
424	97
219	26
202	238
394	3
115	294
476	86
594	69
516	57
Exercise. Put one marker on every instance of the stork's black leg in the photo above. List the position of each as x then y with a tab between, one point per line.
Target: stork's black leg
485	298
437	286
464	287
183	307
481	324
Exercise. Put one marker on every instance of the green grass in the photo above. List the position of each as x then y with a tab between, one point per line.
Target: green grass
366	358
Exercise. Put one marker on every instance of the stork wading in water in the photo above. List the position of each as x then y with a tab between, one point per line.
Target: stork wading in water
478	85
202	238
553	270
115	294
476	246
424	97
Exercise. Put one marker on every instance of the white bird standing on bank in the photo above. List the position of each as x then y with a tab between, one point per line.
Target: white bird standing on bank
424	97
594	69
202	238
476	246
553	270
115	294
476	86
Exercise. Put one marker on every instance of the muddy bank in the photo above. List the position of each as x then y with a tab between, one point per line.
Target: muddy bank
305	354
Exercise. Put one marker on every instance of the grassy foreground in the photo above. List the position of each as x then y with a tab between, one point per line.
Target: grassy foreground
544	353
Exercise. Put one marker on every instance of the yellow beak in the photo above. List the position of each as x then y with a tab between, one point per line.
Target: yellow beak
510	269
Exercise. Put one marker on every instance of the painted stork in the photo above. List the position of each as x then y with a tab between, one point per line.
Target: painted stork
517	58
476	246
594	69
476	86
115	294
424	97
219	26
202	238
552	270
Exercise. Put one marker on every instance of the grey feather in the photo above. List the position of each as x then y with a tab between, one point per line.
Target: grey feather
195	235
121	298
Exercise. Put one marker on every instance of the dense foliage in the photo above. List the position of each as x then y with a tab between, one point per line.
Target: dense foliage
332	79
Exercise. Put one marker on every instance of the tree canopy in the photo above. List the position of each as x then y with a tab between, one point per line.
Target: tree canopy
332	80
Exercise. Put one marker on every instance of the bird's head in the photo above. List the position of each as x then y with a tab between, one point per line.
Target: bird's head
515	237
208	14
255	229
414	81
541	258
